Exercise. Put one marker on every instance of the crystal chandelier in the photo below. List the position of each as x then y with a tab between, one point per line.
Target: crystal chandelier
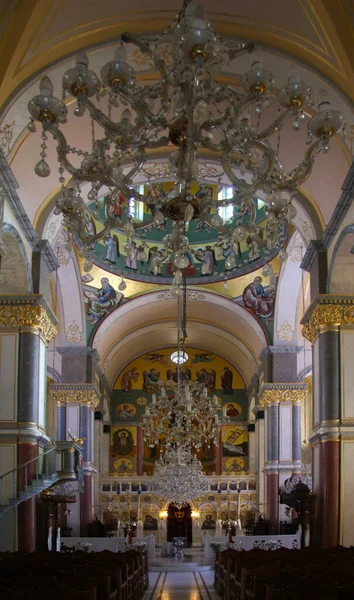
178	477
189	114
182	414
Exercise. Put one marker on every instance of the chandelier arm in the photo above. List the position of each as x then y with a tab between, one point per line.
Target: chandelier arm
257	184
274	127
236	52
62	152
107	124
90	239
301	174
131	38
242	104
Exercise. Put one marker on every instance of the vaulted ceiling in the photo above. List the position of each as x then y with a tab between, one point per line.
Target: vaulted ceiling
39	36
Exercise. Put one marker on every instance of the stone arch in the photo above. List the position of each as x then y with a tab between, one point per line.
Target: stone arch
133	329
15	265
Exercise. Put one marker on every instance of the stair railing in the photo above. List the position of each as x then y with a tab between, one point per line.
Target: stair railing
41	469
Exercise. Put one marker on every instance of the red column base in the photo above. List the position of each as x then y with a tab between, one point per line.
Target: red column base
86	506
272	503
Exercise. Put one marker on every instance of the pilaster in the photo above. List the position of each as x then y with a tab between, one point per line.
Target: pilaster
329	326
281	403
76	405
27	324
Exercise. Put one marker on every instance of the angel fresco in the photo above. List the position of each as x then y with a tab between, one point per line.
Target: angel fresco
156	357
203	357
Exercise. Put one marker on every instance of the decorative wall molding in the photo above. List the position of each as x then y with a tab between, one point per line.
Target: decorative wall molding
80	393
279	393
28	311
327	311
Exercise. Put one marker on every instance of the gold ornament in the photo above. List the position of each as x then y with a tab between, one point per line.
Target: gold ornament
28	311
279	393
76	394
327	311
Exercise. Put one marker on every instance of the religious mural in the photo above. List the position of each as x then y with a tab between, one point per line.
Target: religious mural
100	302
146	375
147	256
123	451
234	449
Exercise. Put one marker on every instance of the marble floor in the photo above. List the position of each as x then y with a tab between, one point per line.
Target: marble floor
189	585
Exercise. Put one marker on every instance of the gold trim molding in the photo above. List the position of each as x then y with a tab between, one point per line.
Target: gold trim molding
327	313
82	394
30	311
281	393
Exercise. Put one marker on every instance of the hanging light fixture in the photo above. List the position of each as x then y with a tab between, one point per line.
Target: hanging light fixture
183	414
190	111
178	477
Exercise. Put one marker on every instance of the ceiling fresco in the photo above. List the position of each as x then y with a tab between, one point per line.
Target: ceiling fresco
146	258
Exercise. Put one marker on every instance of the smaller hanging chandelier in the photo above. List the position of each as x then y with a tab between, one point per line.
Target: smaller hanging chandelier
178	477
183	414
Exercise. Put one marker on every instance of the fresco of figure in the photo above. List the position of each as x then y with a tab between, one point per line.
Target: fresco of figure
112	249
207	258
131	261
257	300
102	301
226	381
155	260
128	378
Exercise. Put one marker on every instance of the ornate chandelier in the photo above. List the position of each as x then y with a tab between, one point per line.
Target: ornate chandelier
182	414
189	114
178	477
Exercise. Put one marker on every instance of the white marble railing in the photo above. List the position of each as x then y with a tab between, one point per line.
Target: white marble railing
251	542
112	544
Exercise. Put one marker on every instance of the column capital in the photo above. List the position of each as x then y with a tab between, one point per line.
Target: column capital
278	393
30	310
83	394
325	313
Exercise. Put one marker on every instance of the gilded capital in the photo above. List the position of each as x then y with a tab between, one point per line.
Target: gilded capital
82	394
279	393
28	311
326	312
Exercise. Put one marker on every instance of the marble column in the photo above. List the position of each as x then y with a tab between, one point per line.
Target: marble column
329	326
282	405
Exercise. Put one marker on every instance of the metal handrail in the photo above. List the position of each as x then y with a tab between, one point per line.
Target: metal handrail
24	465
29	461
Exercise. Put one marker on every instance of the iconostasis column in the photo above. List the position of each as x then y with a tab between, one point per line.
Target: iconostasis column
80	401
329	326
281	403
27	326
